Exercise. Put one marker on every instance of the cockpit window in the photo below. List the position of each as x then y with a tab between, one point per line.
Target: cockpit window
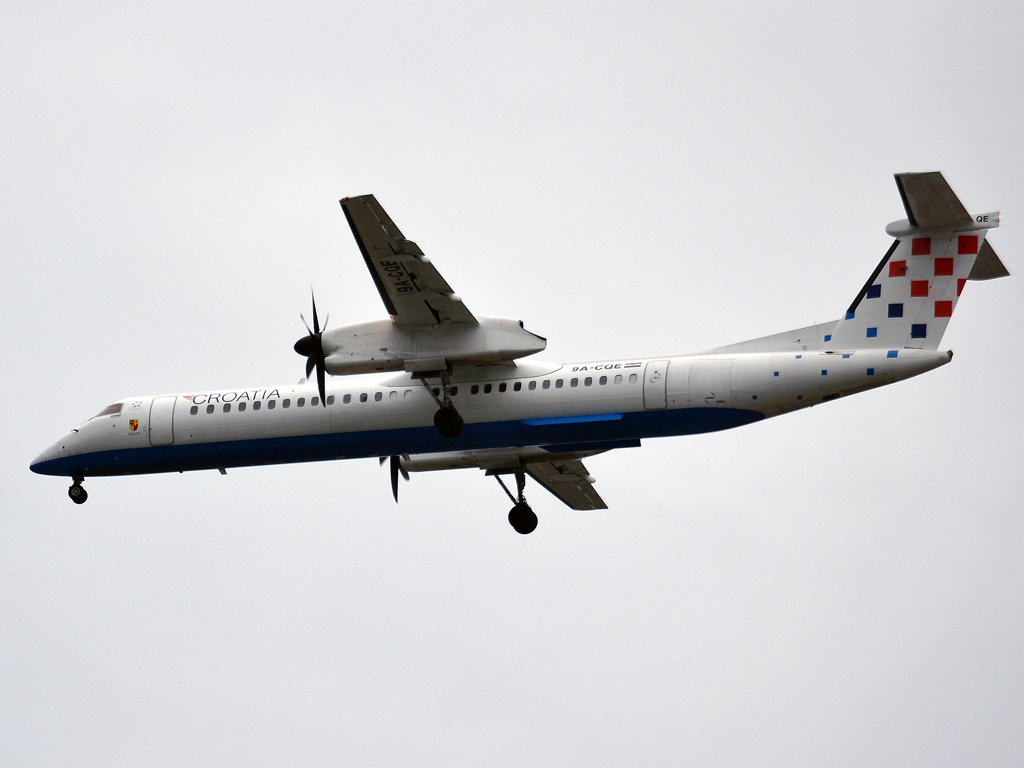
110	410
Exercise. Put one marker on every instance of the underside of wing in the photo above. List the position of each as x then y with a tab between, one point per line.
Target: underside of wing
412	290
569	481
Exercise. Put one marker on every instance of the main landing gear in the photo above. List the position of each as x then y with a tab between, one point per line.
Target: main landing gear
76	491
447	420
520	517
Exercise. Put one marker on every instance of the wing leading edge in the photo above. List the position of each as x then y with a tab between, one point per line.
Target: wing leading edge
411	288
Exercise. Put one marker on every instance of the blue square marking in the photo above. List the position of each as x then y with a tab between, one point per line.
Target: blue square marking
776	374
798	357
872	333
919	331
895	310
875	291
799	397
871	371
828	337
892	353
845	357
849	315
755	397
824	372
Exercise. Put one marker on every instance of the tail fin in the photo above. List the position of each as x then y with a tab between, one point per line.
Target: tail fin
909	298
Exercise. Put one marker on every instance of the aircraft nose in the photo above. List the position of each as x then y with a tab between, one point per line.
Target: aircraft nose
40	463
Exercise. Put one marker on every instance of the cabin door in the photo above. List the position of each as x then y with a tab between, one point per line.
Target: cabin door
655	375
161	421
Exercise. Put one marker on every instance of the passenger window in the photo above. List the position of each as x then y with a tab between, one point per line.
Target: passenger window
393	395
227	407
558	383
474	389
300	402
632	378
286	403
346	399
437	392
257	405
588	381
314	401
517	386
453	391
533	386
194	410
408	394
618	378
547	384
502	387
271	405
330	399
362	397
377	396
574	382
241	406
209	409
487	389
603	380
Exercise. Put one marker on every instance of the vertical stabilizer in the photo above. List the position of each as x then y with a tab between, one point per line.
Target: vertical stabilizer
910	297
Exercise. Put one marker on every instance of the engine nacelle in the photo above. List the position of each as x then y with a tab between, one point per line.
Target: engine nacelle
381	345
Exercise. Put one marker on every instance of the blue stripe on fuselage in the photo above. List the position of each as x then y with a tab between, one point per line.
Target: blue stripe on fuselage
352	445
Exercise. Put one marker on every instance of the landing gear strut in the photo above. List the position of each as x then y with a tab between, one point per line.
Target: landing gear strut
520	517
76	491
447	420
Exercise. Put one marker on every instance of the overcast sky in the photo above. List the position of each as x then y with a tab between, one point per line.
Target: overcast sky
841	586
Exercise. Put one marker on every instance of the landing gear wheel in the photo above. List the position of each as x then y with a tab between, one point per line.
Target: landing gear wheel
522	518
78	494
448	421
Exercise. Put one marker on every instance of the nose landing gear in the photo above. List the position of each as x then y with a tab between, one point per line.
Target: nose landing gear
76	492
520	517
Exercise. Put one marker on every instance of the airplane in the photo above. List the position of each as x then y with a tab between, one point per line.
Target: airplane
436	387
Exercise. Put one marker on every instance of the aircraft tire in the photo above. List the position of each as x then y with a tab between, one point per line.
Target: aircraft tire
522	519
78	494
448	421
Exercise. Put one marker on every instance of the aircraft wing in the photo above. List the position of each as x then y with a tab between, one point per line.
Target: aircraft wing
411	288
563	474
569	481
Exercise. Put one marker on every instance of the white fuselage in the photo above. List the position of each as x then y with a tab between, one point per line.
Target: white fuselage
580	405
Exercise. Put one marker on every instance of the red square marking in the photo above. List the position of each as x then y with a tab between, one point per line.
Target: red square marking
960	285
921	246
943	308
898	268
918	287
967	244
944	267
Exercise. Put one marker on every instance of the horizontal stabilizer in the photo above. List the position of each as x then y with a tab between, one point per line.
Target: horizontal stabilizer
987	266
930	202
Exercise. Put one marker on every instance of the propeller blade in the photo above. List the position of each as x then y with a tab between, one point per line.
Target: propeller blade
316	322
320	381
309	366
303	319
395	467
381	460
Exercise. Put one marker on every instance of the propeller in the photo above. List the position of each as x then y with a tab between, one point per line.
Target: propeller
396	468
311	347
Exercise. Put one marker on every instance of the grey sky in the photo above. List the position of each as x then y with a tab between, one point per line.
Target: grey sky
840	586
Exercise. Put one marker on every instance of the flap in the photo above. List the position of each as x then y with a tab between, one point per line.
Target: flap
569	481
